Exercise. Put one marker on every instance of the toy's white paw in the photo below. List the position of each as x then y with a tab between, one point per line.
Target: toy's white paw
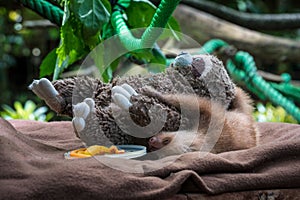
43	88
183	60
121	95
81	112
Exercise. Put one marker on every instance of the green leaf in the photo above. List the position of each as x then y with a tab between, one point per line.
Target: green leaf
40	111
140	13
174	27
29	111
107	5
59	68
7	117
114	65
144	55
158	57
9	110
149	55
48	64
92	41
108	31
19	109
93	14
29	106
155	67
107	74
98	58
72	47
49	116
270	113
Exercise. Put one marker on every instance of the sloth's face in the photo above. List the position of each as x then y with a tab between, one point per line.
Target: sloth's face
159	141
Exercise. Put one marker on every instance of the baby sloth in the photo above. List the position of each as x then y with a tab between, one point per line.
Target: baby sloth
192	106
211	127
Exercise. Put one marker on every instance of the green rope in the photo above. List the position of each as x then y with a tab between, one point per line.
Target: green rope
45	9
240	76
159	20
258	82
212	45
149	37
254	82
288	90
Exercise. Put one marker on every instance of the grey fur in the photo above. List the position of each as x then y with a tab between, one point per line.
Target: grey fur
205	77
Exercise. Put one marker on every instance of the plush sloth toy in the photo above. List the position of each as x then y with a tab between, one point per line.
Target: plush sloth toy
121	112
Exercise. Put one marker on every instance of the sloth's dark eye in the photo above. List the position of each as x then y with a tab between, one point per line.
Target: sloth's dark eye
166	141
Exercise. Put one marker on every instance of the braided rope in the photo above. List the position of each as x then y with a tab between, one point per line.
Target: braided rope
254	82
160	20
248	63
45	9
248	74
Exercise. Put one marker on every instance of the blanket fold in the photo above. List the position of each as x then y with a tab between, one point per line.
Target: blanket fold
32	166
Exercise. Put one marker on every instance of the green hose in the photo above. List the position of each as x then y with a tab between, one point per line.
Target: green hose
149	37
45	9
254	82
212	45
160	19
249	66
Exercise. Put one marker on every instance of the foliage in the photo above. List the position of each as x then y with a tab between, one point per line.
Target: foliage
29	111
22	46
12	44
270	113
272	7
87	23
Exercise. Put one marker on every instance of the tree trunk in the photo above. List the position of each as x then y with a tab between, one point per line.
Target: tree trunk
202	27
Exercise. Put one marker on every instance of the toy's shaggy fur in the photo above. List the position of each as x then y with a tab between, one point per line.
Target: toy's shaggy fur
205	77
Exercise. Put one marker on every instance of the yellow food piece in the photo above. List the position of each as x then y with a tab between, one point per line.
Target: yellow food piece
79	153
100	150
94	150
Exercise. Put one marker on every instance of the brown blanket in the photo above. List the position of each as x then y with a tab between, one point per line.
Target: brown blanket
32	166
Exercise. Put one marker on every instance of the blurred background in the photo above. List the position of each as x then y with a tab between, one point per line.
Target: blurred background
26	38
23	45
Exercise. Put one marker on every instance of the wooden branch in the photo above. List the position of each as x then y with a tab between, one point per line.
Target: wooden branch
249	20
89	71
33	24
202	27
269	76
275	78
